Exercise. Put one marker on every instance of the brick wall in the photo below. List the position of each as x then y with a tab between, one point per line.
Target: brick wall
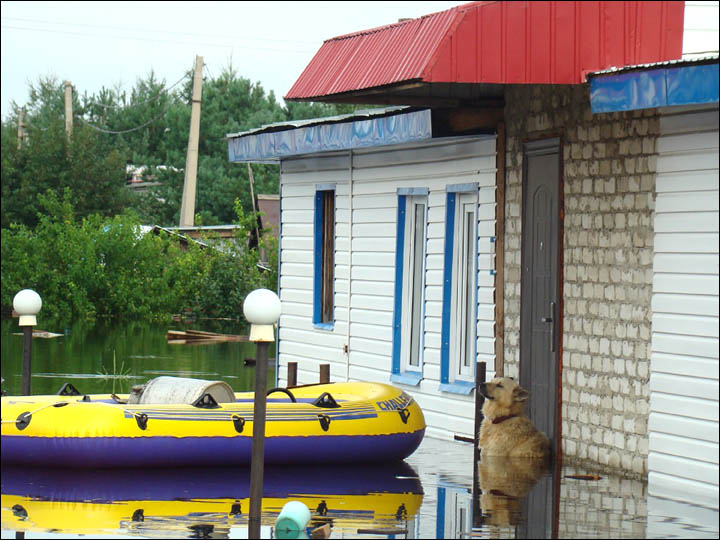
609	164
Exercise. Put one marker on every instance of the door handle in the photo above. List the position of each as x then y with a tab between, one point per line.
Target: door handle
551	319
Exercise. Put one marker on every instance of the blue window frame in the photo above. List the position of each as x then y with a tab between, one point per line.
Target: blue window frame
459	310
409	305
324	257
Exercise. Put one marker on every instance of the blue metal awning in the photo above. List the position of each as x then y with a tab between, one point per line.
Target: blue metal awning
377	127
644	87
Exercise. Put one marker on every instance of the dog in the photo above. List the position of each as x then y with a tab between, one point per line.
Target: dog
505	430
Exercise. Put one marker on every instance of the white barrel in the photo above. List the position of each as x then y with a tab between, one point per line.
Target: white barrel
180	390
292	521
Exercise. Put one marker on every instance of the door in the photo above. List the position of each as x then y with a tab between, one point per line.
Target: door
540	308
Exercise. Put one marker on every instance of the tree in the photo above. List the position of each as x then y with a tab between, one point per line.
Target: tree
87	164
147	126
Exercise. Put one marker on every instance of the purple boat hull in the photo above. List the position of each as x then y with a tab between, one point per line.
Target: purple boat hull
205	451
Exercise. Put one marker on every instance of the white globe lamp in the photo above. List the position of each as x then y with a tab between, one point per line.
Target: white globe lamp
262	309
27	304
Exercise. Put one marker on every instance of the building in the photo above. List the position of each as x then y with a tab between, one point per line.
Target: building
547	204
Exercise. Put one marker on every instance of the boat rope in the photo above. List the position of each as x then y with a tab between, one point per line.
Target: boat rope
24	419
30	413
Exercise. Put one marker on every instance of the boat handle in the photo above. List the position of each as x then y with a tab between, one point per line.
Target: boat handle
239	422
23	420
404	415
284	391
206	401
68	389
142	420
326	401
324	421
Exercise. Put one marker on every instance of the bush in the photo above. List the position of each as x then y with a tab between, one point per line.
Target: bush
109	267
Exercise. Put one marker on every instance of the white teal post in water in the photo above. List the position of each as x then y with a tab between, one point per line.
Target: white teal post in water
262	310
27	304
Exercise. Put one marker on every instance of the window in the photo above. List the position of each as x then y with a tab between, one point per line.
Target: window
324	271
409	285
459	315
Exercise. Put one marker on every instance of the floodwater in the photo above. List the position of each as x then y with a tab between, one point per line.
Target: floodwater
435	493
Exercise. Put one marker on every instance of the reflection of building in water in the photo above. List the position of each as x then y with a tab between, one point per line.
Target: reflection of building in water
454	510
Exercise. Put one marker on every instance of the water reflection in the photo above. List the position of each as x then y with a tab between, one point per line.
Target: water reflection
110	358
204	502
505	484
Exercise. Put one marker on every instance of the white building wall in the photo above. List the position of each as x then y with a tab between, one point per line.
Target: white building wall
376	176
700	29
683	422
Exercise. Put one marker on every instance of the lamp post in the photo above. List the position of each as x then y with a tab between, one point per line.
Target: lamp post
262	310
27	304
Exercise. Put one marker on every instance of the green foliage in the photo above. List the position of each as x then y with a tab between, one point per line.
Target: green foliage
96	267
71	228
87	163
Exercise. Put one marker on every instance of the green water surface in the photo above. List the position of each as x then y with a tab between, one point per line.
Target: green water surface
105	358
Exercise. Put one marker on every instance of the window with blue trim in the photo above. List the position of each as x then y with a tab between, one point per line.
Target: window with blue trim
459	312
324	262
409	309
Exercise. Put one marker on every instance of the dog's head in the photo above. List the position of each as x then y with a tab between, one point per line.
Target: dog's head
503	396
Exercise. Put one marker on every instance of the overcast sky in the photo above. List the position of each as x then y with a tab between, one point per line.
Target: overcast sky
96	44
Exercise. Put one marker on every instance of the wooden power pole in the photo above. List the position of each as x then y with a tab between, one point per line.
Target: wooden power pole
187	208
68	109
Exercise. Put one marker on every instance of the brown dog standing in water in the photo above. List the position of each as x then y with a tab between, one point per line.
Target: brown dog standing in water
505	430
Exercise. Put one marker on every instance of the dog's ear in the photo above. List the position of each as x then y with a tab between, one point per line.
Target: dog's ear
520	394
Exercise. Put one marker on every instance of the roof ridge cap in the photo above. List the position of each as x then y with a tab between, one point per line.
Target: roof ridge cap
376	29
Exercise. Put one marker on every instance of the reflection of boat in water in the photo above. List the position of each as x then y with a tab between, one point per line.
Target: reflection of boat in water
199	501
314	424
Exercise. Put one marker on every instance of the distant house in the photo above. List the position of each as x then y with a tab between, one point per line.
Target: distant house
545	201
139	179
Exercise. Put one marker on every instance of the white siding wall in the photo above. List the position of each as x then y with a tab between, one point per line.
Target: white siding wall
700	29
683	423
376	176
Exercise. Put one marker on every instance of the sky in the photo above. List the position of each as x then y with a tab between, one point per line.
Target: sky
113	44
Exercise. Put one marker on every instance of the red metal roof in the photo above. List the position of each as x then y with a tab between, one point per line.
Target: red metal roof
537	42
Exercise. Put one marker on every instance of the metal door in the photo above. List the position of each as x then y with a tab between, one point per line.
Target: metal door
540	304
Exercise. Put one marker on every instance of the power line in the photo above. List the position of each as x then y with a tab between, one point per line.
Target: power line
125	130
228	45
156	31
155	98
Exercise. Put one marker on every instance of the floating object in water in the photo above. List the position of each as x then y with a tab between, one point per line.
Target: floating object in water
583	476
292	521
313	424
196	337
40	334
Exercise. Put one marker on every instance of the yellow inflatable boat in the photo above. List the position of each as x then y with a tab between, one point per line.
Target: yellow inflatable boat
314	424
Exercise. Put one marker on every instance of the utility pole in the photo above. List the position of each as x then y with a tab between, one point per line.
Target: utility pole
21	128
252	196
187	208
68	109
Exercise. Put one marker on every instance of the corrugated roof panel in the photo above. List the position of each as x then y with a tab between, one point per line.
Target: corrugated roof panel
540	42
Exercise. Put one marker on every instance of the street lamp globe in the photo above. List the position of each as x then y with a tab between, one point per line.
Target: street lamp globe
27	304
262	309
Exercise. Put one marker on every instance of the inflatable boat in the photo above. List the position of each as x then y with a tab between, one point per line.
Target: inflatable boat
173	422
164	503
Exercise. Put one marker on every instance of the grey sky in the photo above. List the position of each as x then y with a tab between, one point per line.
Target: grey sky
96	44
